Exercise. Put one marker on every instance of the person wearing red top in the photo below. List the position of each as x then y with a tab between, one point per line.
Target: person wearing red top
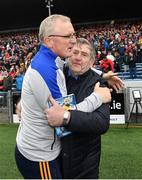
106	65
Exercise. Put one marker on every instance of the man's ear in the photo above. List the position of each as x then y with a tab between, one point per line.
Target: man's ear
49	42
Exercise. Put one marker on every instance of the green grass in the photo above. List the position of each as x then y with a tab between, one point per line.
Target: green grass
121	153
8	169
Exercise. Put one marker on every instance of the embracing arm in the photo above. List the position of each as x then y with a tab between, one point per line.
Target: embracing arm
96	122
113	80
100	95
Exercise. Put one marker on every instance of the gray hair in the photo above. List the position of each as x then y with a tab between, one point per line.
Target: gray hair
83	41
48	24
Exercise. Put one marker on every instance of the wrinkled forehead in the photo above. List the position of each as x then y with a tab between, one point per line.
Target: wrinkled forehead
63	26
82	48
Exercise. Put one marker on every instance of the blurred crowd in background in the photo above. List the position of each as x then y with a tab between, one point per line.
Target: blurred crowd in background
118	47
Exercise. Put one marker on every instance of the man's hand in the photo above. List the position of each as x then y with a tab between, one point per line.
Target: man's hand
113	80
55	113
103	92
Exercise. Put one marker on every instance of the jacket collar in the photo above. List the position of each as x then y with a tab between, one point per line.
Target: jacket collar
44	49
70	74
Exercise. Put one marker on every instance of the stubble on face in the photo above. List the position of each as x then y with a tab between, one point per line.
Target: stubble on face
80	61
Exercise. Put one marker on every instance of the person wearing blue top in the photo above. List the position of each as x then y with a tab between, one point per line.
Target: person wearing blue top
37	149
19	79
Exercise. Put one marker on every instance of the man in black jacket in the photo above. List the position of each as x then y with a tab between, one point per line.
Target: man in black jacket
81	149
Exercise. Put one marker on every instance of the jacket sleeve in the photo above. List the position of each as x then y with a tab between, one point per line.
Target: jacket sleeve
96	122
90	103
93	101
39	88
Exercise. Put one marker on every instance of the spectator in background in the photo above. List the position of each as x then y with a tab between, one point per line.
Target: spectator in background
12	72
126	63
7	83
132	65
19	79
6	79
106	65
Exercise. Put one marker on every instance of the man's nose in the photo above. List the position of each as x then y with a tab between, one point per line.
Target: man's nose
78	56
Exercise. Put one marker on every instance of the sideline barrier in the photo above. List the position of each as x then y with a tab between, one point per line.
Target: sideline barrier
5	107
8	101
117	108
15	98
120	106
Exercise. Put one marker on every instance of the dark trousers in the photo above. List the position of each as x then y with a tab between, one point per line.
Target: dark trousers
133	73
37	170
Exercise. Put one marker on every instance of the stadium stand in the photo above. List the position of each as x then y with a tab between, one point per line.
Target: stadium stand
117	43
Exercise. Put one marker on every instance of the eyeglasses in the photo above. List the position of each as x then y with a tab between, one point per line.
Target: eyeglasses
70	36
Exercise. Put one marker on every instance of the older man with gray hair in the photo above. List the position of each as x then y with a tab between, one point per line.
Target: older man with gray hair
37	150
